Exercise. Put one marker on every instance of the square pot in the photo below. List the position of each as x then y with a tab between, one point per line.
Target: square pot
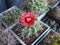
7	37
52	22
50	38
11	16
2	26
17	30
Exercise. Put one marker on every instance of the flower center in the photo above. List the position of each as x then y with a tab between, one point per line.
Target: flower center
28	19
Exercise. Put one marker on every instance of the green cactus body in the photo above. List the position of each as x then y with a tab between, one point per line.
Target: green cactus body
11	16
38	6
32	31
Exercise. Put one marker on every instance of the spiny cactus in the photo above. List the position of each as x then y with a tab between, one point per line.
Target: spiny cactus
52	38
38	6
6	37
11	16
33	30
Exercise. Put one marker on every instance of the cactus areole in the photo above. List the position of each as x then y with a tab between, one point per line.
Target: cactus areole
28	19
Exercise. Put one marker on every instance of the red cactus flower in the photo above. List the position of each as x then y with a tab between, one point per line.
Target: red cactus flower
28	19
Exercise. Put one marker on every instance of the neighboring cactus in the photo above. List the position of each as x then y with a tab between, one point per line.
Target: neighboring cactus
37	6
7	38
11	16
52	38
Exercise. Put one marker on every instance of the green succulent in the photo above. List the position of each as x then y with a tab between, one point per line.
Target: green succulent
32	31
38	6
11	16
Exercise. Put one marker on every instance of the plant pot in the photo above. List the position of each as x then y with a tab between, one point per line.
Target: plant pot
50	38
17	30
7	38
11	16
52	22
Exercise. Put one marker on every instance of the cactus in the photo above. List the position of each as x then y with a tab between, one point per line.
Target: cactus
11	16
6	38
38	6
33	30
